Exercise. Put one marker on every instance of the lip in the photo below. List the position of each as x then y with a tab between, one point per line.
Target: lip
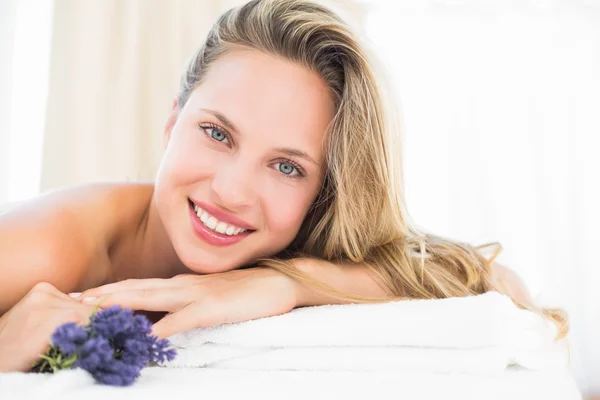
212	237
223	216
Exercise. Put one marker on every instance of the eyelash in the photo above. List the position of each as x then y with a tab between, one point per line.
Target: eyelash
204	127
301	173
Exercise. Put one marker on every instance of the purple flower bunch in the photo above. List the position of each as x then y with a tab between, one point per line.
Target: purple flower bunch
113	347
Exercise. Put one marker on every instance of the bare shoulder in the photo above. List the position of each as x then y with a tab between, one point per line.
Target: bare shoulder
510	282
62	237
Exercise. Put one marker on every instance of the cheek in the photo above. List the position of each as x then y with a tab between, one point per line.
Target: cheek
187	161
285	209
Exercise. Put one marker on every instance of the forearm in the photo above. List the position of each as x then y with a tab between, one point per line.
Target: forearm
357	279
510	283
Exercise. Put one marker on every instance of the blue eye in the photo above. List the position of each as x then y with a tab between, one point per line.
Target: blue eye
286	168
289	169
217	135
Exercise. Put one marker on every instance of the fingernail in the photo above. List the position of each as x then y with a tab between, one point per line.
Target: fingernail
89	299
75	295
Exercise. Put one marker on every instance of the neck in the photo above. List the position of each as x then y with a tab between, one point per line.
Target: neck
155	255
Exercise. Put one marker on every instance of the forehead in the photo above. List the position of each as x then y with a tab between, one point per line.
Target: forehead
269	97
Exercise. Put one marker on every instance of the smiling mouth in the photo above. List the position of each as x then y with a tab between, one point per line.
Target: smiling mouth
217	226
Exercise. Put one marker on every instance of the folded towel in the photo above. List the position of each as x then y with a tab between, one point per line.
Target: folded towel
483	361
478	334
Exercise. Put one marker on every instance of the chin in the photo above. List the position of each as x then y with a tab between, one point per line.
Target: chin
202	262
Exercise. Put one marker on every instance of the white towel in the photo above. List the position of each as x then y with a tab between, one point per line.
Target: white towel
209	383
481	334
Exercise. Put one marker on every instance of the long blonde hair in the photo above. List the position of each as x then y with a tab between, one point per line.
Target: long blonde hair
359	215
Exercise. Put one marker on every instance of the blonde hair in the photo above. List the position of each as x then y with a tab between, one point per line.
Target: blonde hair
359	214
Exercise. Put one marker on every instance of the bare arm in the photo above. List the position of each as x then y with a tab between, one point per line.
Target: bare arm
352	278
510	283
360	280
46	240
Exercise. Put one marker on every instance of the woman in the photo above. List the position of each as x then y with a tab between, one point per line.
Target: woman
279	158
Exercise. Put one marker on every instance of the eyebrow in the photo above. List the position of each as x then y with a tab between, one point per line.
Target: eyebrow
286	150
297	153
224	120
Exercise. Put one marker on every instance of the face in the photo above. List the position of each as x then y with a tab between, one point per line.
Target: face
244	152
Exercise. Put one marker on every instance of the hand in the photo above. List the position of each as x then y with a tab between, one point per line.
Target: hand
25	329
202	300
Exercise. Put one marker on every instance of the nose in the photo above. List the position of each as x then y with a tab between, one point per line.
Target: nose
233	186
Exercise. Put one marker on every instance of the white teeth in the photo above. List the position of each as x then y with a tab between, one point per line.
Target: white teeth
216	225
221	227
204	217
211	223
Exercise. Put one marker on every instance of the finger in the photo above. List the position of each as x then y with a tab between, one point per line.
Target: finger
31	353
187	276
76	308
168	300
37	341
128	284
195	315
180	321
45	295
45	287
79	314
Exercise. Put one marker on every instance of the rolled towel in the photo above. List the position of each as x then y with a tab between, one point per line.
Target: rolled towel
481	334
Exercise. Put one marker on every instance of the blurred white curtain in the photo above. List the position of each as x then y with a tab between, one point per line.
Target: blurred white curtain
115	68
24	54
8	12
500	104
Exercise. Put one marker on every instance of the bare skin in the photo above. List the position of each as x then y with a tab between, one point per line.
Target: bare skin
77	239
112	227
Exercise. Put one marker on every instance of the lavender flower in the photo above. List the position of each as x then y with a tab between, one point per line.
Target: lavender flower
117	373
94	354
161	352
68	337
113	348
131	335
